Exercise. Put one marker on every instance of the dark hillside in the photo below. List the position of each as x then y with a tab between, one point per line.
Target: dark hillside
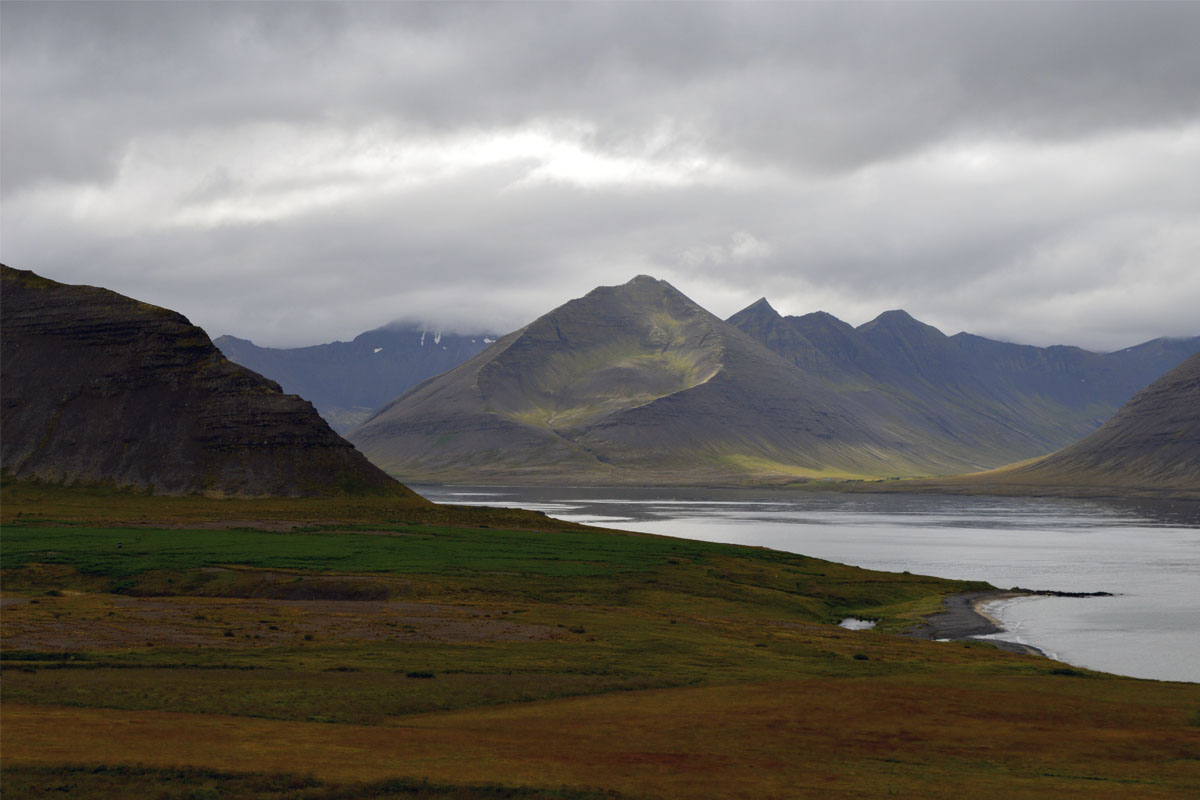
1150	448
1153	441
1002	402
99	388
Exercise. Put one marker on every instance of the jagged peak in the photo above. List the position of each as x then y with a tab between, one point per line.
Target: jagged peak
759	308
823	317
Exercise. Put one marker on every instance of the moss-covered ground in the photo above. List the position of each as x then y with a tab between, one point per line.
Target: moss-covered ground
312	649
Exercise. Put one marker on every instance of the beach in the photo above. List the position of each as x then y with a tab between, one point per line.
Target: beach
963	620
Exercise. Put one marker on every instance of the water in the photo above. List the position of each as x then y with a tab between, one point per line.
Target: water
856	624
1148	555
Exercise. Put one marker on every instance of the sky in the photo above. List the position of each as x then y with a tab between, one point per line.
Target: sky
297	173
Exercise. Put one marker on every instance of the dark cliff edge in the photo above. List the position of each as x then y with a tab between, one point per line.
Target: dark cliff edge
99	389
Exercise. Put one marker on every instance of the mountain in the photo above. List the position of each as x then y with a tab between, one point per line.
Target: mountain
98	388
1150	448
346	381
1004	402
637	383
1152	442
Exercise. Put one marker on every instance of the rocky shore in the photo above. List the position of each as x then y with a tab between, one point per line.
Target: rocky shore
962	618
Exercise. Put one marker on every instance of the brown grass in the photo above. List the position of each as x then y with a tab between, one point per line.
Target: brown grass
756	699
809	738
77	621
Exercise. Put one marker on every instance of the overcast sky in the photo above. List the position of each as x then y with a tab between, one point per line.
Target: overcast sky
299	173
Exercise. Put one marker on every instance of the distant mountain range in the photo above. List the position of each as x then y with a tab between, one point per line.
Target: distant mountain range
1002	402
98	388
346	381
629	384
1152	441
638	384
1150	447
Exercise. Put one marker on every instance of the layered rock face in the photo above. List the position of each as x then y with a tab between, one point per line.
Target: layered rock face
100	388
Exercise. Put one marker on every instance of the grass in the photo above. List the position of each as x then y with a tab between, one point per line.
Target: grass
334	694
102	781
392	549
670	573
481	660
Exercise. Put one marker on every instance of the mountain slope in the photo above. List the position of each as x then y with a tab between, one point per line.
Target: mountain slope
346	381
1153	441
1150	448
1000	402
100	388
634	383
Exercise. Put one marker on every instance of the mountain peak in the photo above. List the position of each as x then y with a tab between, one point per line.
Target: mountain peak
820	319
760	309
899	321
896	316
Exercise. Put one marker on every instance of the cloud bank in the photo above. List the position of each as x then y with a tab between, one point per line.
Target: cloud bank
296	173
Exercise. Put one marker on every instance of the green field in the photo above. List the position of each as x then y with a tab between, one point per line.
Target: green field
227	658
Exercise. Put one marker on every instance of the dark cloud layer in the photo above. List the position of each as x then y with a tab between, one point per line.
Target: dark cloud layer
299	172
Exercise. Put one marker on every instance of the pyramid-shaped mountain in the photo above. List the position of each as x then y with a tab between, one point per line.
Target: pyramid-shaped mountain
1000	402
98	388
637	383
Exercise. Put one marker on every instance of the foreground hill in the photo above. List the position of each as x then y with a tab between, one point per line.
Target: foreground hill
637	383
1006	402
99	388
346	381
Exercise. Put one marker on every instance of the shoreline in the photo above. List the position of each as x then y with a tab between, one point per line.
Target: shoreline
963	620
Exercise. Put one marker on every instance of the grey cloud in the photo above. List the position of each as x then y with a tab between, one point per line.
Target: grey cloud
841	115
816	85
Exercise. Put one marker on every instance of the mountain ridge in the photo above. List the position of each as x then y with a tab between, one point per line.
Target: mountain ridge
99	388
637	383
1008	401
347	381
1149	448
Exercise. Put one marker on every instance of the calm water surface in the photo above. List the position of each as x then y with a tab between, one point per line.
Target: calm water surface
1146	554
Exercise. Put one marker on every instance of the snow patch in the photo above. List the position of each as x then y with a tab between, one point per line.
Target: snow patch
377	349
486	340
438	339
